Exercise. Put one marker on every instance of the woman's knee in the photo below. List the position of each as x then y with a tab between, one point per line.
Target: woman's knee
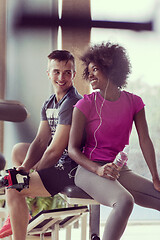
125	202
129	201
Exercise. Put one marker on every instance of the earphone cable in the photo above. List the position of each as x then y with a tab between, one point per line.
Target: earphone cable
100	117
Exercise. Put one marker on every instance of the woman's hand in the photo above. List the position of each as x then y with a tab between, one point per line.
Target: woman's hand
109	170
156	183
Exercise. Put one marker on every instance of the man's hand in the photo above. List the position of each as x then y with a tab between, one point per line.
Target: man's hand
109	170
22	168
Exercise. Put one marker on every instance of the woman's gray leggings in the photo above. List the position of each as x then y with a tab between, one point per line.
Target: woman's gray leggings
120	195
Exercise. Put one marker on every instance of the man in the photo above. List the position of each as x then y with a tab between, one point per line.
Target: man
47	154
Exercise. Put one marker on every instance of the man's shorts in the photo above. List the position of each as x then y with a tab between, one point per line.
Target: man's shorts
56	178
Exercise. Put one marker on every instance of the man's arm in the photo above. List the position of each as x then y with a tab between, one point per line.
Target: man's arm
42	155
37	147
56	148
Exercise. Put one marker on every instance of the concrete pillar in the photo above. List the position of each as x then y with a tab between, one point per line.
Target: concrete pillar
76	39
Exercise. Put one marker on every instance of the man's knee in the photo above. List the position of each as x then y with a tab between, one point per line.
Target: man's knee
20	148
12	195
19	151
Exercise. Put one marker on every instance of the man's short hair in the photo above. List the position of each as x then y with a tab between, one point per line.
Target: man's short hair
62	55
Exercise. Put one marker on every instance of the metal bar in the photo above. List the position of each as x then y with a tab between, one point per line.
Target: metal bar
2	61
42	21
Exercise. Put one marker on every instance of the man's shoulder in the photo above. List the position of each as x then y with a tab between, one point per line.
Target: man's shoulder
72	96
48	101
73	93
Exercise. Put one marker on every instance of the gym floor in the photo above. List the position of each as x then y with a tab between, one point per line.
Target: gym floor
139	230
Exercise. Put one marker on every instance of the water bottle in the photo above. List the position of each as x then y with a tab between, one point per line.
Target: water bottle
122	157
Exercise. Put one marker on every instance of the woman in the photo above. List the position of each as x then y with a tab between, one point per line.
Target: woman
107	116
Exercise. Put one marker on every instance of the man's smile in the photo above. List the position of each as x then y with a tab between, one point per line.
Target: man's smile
60	83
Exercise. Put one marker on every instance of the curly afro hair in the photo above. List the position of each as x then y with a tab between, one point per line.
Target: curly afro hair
112	60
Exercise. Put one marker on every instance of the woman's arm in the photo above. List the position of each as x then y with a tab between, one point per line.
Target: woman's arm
75	141
147	146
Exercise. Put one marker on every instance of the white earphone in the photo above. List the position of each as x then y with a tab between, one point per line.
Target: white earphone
100	118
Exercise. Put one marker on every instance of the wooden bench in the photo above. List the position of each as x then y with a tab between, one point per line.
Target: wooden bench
53	220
